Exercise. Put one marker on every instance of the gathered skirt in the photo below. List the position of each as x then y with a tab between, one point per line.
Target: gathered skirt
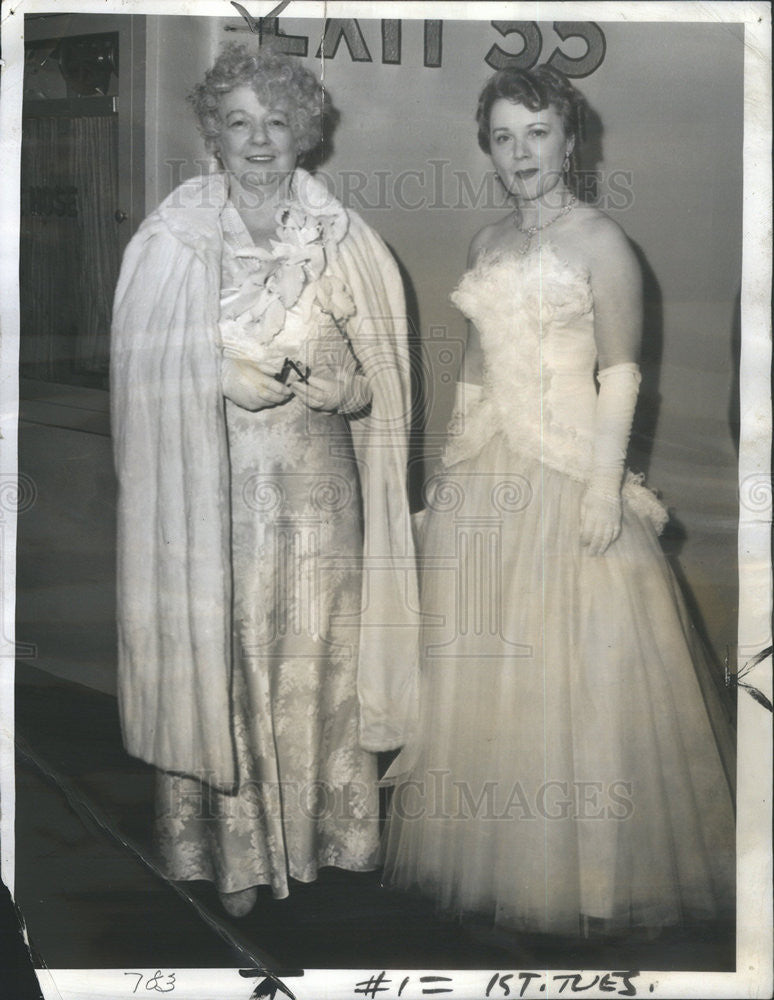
574	761
307	793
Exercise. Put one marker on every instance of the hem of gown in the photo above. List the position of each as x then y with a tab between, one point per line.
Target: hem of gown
589	928
278	891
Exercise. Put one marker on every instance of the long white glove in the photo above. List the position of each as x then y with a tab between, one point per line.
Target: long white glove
466	396
619	386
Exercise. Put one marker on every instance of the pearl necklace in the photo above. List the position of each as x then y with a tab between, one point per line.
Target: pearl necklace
532	230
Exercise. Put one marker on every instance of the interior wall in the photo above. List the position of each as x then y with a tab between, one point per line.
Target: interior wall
179	49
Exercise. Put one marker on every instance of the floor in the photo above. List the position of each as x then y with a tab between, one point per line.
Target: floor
91	897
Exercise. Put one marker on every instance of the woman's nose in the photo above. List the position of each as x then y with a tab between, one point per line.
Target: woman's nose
259	136
520	149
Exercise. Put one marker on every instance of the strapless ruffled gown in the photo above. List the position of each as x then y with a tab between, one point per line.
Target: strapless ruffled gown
575	762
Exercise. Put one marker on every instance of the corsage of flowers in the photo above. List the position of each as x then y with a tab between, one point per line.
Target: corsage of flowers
254	319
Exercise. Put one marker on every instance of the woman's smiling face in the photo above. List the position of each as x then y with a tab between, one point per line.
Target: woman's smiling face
528	148
256	144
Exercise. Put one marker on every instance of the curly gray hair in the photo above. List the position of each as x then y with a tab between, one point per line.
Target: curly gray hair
274	77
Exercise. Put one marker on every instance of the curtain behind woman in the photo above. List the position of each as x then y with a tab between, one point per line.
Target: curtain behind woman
69	247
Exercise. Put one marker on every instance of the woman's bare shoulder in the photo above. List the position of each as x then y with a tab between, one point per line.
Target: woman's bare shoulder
600	234
485	239
598	242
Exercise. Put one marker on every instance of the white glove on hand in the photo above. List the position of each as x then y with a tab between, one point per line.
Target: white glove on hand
249	386
601	504
334	391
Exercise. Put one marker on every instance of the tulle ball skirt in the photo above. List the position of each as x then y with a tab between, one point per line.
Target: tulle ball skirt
574	760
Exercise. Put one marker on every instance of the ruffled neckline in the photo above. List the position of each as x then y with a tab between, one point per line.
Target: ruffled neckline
543	251
503	286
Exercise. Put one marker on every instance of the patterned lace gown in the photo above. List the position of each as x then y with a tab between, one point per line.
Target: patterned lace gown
574	760
307	795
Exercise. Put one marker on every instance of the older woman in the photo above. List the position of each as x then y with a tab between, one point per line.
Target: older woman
573	767
266	587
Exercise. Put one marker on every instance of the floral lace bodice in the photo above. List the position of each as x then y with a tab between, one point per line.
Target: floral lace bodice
535	316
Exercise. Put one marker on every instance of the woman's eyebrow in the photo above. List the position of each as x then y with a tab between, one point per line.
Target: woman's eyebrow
529	124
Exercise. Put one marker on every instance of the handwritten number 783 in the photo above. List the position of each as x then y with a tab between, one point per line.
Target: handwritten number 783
158	982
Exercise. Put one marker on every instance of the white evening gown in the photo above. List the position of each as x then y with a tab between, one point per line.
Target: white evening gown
307	795
574	764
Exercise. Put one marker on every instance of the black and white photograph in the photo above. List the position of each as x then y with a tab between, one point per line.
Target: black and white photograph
385	495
